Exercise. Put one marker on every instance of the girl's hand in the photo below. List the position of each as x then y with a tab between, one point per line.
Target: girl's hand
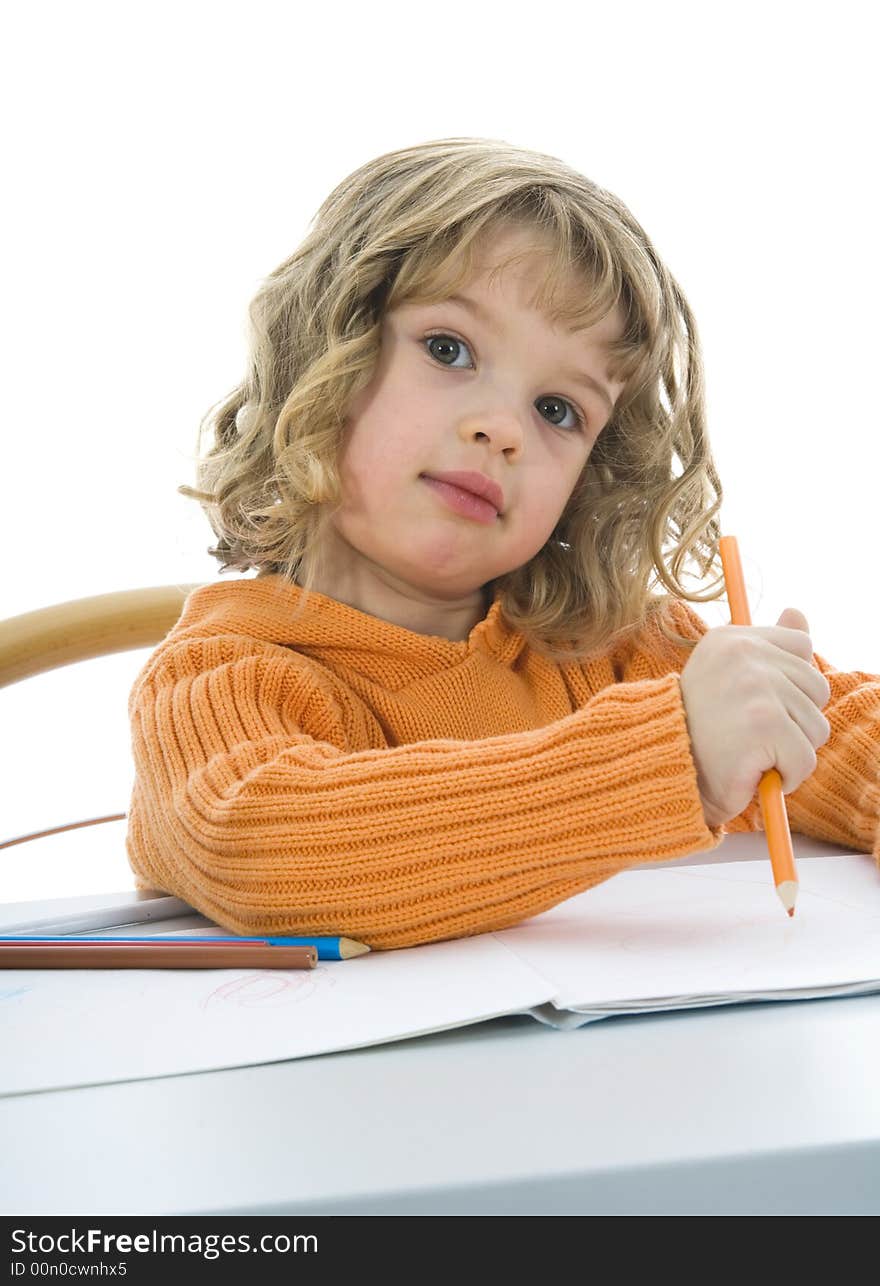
753	701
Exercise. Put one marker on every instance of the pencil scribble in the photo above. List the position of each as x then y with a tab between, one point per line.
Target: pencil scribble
10	993
270	990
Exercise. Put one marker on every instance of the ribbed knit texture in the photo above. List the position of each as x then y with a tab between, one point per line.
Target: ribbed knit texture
338	774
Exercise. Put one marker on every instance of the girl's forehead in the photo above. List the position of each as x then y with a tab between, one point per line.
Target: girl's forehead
517	259
521	263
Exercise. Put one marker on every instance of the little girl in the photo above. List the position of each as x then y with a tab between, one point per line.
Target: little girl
448	700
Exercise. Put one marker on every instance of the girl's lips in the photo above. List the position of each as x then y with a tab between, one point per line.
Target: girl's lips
462	502
479	484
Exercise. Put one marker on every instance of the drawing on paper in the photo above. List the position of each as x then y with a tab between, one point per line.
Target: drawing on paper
11	993
273	989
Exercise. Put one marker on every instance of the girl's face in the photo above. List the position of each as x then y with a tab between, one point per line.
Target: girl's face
492	389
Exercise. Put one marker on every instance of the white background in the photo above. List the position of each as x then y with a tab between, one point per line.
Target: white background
161	159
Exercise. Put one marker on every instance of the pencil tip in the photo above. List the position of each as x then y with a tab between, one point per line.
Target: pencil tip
349	948
787	892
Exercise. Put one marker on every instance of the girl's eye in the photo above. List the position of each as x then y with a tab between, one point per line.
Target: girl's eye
444	342
439	343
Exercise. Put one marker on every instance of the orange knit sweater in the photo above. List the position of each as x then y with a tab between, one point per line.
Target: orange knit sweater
339	774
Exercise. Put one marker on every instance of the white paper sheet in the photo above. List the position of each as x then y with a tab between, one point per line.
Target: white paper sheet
697	935
646	940
80	1027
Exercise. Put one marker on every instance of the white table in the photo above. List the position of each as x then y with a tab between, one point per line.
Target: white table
762	1108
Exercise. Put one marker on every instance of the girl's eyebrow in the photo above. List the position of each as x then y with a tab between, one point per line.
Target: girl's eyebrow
476	308
485	316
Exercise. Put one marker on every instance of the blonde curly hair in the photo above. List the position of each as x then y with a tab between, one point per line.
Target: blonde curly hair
406	226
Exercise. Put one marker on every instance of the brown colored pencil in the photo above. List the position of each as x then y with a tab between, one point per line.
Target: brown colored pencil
148	956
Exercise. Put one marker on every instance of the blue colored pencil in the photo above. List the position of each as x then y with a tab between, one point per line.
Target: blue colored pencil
328	948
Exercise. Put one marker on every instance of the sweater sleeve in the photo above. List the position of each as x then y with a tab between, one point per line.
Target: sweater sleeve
840	801
244	808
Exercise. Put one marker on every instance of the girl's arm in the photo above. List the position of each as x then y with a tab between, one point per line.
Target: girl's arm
248	804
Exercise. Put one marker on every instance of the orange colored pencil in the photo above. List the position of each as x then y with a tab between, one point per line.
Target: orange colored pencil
131	955
770	793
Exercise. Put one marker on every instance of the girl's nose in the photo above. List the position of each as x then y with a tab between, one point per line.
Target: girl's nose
501	429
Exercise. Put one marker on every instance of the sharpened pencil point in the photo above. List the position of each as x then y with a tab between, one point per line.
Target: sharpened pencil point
788	891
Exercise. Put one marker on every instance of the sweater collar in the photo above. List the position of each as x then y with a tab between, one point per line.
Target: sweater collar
265	607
